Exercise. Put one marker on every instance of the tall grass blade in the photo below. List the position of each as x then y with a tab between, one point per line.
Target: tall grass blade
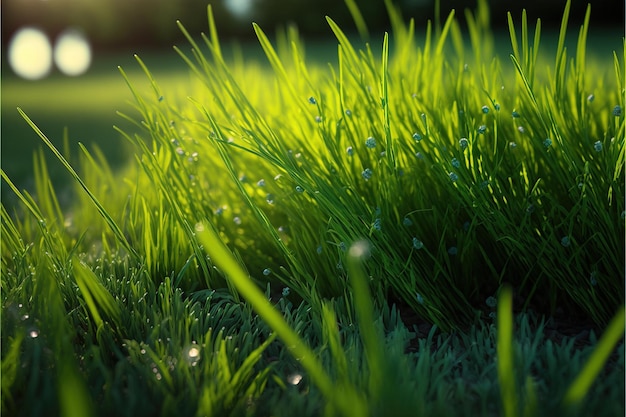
357	254
355	12
506	362
612	335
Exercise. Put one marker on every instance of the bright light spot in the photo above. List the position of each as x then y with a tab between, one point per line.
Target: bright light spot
72	53
360	249
239	8
194	352
193	355
30	53
294	379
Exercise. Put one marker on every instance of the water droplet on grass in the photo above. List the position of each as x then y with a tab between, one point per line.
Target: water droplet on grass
294	379
617	111
419	298
597	146
193	355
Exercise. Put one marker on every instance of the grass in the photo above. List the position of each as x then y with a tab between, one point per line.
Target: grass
264	252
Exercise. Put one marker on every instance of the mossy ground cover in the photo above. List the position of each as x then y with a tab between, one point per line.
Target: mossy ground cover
341	239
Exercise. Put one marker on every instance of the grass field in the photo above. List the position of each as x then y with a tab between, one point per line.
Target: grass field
427	226
86	106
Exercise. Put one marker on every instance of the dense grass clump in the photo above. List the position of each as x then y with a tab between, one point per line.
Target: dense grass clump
462	174
427	177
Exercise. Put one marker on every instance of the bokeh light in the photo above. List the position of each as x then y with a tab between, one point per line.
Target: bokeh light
30	53
239	8
72	53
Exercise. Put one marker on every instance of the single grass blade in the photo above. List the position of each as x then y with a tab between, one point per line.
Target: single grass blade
506	363
613	334
357	254
361	26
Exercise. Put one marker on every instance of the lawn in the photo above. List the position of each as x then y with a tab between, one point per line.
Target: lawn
425	226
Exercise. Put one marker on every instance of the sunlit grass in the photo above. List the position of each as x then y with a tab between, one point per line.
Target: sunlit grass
278	222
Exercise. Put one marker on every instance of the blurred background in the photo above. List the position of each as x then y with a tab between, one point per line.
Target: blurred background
60	57
112	24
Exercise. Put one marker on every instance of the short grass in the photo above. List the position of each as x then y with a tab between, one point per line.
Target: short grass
279	225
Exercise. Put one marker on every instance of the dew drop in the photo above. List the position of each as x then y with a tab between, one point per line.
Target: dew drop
294	379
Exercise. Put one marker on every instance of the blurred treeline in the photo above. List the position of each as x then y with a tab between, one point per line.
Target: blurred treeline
119	23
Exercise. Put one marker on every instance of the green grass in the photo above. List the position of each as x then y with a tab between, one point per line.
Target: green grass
280	224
